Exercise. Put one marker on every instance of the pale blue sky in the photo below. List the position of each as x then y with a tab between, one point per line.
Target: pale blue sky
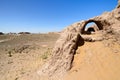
48	15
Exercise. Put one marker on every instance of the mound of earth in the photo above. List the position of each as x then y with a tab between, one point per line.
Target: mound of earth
74	37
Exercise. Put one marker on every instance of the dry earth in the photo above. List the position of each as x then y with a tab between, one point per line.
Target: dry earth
22	55
96	61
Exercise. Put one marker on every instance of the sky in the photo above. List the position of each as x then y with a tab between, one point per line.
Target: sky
39	16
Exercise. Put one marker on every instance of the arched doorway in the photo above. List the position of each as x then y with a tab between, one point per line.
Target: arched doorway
91	26
90	29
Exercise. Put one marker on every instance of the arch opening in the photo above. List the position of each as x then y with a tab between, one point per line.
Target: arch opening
91	26
90	30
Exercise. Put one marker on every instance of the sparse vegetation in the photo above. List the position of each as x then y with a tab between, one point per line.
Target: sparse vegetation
9	53
46	54
22	54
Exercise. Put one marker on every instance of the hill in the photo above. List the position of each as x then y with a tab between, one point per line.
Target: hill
74	36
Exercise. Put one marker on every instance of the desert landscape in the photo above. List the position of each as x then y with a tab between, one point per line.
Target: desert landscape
21	55
75	53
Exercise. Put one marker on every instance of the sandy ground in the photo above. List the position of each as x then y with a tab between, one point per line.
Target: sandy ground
20	63
96	61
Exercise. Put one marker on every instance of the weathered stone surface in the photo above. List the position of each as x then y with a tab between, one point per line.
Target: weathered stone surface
63	54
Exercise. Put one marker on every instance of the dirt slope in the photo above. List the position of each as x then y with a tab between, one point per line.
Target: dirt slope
96	61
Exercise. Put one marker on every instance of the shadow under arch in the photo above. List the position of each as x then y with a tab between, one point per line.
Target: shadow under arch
98	23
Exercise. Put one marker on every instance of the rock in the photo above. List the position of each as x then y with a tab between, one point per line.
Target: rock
62	56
